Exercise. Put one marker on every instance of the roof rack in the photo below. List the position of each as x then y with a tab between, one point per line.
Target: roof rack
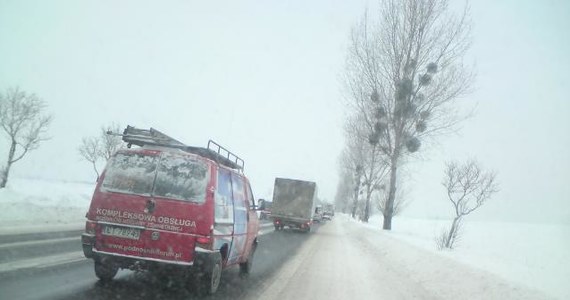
215	152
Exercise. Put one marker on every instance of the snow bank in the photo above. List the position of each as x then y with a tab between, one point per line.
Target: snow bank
535	255
28	205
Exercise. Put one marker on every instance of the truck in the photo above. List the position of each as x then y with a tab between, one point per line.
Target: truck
264	209
318	215
294	204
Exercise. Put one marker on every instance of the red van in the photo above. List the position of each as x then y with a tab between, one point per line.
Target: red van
166	206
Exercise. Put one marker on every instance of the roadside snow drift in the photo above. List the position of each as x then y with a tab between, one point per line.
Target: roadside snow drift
534	255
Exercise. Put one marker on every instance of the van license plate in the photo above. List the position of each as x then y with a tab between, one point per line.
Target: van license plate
123	232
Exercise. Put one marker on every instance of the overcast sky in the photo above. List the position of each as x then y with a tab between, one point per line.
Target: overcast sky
262	79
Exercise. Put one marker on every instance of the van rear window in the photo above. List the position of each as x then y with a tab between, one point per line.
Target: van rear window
168	175
131	173
181	177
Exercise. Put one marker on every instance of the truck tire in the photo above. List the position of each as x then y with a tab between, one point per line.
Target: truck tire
105	271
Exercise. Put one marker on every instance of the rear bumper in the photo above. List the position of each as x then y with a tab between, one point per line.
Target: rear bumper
87	242
292	223
134	259
201	256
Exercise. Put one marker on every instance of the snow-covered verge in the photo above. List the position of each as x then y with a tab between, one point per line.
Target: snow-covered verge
32	205
534	255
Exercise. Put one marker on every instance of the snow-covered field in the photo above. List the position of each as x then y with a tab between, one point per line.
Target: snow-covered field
534	255
38	205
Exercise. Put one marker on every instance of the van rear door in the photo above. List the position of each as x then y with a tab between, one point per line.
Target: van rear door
153	205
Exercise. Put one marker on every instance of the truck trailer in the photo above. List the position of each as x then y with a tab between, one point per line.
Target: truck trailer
294	203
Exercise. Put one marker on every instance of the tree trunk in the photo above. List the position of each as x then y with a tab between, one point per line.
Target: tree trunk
4	176
355	203
367	207
387	225
389	209
6	170
366	210
95	169
370	186
451	235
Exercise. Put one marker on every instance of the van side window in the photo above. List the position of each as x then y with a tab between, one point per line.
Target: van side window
238	191
240	204
240	216
250	194
224	205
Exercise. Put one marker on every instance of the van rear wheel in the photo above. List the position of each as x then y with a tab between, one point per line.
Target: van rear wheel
245	267
210	275
105	271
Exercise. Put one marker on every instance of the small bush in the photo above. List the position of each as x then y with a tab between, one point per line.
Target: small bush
441	239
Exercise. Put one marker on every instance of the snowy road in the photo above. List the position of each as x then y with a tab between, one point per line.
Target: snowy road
77	280
345	260
32	245
340	260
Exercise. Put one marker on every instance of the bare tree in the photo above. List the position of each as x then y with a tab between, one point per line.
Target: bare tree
372	165
90	151
344	191
468	188
351	167
400	202
110	143
102	147
25	124
404	74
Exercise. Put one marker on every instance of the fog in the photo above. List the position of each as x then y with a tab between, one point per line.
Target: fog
263	79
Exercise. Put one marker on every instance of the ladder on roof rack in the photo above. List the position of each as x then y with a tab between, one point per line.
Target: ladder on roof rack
214	151
141	137
228	155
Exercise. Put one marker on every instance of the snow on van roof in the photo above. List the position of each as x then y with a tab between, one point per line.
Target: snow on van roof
155	138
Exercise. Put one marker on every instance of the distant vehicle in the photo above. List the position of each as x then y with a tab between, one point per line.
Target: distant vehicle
318	216
293	204
168	207
328	211
265	209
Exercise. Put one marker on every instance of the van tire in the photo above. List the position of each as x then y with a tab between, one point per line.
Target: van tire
245	267
105	271
210	275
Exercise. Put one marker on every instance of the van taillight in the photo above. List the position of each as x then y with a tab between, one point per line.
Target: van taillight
203	240
90	227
